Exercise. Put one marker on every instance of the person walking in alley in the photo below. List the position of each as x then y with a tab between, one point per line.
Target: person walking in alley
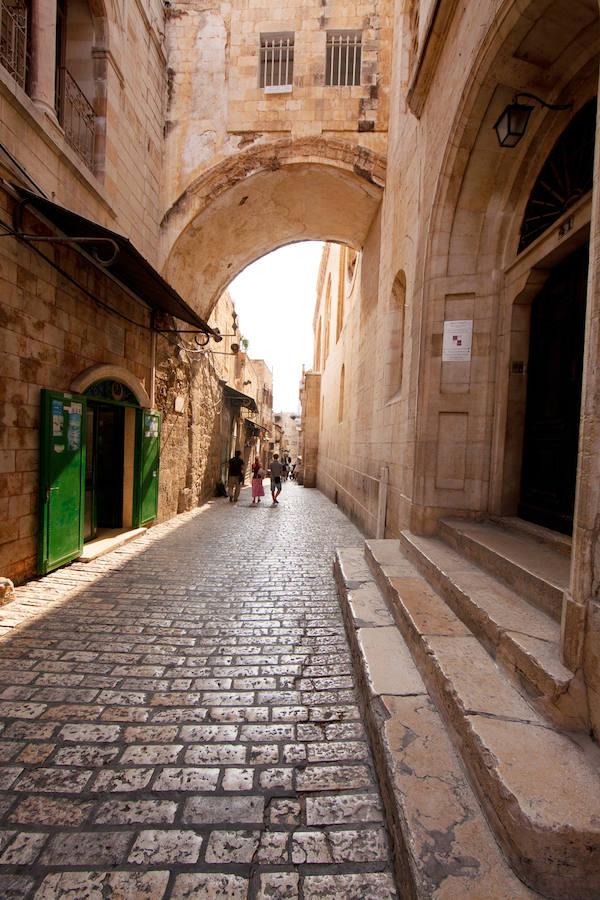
258	490
235	476
275	470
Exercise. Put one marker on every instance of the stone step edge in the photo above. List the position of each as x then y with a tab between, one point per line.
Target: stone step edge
542	594
428	873
559	698
562	543
540	860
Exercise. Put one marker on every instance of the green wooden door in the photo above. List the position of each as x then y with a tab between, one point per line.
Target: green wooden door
146	469
62	479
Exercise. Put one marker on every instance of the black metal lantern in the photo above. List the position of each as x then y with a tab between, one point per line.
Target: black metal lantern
512	123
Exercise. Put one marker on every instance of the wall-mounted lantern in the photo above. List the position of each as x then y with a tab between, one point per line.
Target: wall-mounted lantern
512	122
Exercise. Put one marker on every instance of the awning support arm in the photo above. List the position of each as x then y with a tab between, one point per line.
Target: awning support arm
58	239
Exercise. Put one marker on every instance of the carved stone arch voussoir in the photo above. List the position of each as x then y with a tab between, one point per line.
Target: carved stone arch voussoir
205	189
106	371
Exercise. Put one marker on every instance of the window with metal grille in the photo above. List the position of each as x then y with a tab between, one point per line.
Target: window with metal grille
343	59
277	62
14	38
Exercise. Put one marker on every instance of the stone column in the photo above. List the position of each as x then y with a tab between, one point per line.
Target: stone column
580	632
43	54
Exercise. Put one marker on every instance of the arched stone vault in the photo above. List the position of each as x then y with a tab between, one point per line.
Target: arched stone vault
272	195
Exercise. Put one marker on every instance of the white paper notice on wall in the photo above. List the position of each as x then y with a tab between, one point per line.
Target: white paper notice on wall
458	338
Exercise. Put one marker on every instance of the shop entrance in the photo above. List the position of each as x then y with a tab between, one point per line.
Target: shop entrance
554	378
104	467
99	468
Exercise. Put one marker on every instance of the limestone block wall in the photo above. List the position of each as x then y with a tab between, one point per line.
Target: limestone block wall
290	439
216	107
50	332
310	399
190	396
355	439
122	191
49	329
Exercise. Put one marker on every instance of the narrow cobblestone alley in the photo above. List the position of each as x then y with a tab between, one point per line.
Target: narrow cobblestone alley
180	719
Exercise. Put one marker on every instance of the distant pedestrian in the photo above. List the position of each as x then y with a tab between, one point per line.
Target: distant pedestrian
258	490
284	469
275	470
235	476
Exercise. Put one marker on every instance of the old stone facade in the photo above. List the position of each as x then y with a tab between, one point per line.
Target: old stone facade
83	125
289	442
455	360
249	170
85	130
202	426
458	252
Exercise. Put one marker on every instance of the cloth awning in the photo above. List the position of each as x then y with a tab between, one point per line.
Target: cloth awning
127	266
237	397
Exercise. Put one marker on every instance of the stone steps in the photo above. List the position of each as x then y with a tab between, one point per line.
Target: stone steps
528	564
519	636
443	845
539	787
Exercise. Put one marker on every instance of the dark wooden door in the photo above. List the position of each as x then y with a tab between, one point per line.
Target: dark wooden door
554	377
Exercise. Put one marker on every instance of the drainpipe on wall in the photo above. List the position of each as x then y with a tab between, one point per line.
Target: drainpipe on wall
384	477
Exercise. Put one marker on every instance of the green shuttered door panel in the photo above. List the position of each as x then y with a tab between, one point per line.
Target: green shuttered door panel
62	479
147	463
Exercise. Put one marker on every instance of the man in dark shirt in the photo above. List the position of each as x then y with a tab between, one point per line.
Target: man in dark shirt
275	470
235	476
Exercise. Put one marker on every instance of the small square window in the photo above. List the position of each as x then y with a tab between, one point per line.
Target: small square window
277	62
343	58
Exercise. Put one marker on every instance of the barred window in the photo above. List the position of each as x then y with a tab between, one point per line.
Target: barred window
343	59
277	62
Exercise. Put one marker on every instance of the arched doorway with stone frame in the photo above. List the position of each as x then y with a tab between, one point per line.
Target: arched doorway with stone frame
99	451
547	321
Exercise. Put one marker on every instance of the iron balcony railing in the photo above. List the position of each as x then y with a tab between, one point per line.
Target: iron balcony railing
76	115
13	39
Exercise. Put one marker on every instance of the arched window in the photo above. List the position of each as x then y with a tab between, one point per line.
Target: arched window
341	398
394	358
318	346
566	176
327	320
339	321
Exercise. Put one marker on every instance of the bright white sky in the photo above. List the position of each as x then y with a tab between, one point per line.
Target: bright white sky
275	301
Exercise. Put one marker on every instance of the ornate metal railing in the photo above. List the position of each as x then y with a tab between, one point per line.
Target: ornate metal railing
13	39
76	115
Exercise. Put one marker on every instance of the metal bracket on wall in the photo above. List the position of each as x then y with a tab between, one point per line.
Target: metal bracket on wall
24	236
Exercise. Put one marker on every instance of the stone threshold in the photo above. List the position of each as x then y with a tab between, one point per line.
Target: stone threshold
108	539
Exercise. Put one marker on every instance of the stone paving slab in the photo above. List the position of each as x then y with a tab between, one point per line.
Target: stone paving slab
179	719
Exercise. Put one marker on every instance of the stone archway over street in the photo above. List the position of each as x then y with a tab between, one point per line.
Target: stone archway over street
262	199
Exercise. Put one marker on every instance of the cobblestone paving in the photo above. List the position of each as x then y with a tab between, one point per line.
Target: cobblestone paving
179	718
